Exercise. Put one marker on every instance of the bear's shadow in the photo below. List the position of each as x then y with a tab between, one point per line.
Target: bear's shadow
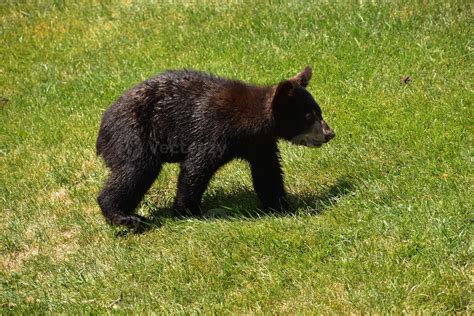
244	204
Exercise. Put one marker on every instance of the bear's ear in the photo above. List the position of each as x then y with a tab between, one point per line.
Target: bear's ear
304	76
284	90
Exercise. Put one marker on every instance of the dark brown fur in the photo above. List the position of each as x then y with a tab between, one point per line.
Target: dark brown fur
202	122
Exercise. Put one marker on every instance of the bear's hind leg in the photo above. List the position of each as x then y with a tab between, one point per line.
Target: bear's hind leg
122	193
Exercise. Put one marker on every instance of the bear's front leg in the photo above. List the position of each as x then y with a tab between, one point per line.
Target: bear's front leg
267	178
193	179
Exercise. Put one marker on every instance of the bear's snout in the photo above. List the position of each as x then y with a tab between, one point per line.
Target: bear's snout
318	134
327	131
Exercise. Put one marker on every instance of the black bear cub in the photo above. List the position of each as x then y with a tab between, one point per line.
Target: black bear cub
202	122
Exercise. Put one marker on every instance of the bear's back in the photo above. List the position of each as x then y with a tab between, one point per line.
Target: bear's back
185	85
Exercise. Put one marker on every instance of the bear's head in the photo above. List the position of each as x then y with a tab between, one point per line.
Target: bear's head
297	115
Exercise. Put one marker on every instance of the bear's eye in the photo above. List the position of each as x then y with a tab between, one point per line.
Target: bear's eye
309	117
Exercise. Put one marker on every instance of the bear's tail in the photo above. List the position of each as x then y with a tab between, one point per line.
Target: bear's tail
97	148
99	145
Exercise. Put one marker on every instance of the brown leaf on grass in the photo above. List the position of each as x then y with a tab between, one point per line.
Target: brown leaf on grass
3	100
406	79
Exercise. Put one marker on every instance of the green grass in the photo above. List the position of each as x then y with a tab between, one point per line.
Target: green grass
383	214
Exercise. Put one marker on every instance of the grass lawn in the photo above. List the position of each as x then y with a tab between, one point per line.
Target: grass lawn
382	216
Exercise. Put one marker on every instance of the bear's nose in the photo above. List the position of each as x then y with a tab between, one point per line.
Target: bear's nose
330	135
327	131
